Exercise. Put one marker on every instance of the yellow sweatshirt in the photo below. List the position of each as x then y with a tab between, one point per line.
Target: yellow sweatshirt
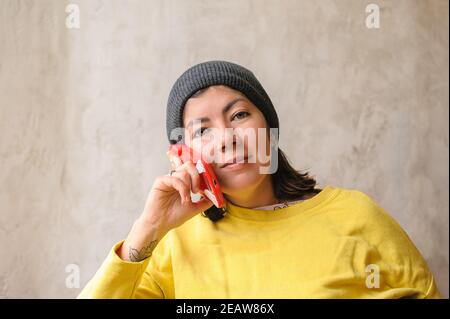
338	244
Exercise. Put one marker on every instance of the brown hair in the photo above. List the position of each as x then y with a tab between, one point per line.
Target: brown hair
289	183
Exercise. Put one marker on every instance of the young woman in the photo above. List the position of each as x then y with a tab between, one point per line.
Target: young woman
279	236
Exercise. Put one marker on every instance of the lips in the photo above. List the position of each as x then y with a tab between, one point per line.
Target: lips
235	161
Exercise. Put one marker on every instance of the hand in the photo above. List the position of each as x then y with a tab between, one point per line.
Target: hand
169	202
168	206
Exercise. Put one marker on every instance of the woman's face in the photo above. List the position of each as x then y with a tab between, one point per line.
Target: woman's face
226	125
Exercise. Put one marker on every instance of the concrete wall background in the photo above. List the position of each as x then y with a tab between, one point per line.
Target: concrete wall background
82	115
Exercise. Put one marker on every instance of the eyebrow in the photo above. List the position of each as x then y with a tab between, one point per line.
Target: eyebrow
227	107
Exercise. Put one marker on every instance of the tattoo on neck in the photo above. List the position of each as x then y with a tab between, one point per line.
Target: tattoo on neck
136	255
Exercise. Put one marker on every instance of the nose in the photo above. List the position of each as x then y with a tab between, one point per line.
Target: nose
227	140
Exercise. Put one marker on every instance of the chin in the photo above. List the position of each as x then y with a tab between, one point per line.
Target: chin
232	182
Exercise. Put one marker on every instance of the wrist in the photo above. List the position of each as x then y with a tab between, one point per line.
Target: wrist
141	240
150	226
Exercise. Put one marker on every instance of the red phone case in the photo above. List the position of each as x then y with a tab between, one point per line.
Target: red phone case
208	180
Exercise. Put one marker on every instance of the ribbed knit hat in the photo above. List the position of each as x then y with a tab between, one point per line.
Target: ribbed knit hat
210	73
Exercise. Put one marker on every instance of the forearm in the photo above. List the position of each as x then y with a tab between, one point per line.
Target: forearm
142	239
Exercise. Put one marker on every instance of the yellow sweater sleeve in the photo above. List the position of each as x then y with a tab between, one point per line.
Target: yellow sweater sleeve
433	291
116	278
405	273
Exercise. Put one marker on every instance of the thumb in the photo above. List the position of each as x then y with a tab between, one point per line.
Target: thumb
203	204
199	207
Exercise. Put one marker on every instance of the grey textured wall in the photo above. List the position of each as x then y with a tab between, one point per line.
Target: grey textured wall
82	114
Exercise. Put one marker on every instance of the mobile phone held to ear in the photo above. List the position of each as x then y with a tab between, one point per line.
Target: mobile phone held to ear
208	180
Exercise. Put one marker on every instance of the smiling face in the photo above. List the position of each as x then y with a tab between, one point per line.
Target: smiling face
224	121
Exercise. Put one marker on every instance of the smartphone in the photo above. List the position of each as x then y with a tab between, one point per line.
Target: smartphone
208	180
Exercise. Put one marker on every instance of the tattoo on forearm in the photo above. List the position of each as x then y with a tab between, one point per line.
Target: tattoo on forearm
139	255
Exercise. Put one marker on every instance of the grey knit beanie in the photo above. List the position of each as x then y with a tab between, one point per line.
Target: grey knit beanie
210	73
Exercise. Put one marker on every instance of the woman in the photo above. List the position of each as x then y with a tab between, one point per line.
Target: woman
279	237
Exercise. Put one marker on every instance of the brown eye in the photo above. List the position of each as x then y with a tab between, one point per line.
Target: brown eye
200	132
240	115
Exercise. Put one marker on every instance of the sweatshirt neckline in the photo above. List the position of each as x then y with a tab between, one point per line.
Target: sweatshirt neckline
326	194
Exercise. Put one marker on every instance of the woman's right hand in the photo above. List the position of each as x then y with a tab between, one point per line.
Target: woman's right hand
168	206
169	202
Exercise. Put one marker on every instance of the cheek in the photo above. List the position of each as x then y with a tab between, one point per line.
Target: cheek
193	143
259	144
204	148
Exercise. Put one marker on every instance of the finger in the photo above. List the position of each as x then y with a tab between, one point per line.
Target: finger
194	175
200	206
178	161
177	184
203	204
175	160
184	175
